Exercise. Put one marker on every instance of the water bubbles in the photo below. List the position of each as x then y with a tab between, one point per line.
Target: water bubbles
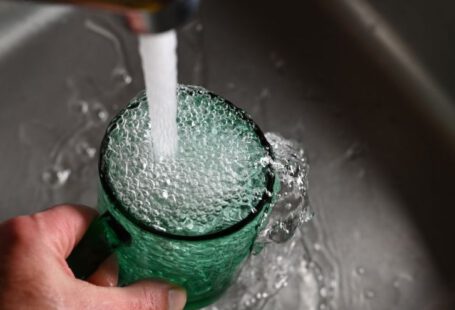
215	177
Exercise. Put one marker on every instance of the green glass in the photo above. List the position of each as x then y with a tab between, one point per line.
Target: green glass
205	265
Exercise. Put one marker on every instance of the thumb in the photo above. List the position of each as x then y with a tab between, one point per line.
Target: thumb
143	295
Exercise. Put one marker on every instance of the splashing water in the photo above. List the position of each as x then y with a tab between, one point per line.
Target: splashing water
279	262
159	63
292	207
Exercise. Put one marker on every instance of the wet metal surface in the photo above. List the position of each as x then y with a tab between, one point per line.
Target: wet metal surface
381	174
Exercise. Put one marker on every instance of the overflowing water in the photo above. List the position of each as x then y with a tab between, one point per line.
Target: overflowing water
159	63
277	260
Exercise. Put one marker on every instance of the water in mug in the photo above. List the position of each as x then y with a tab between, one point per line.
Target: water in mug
215	179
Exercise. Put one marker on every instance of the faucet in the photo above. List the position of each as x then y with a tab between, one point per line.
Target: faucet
144	16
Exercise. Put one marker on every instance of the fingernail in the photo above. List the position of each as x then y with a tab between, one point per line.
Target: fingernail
176	299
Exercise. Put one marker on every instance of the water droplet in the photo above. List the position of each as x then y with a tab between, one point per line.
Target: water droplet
56	177
122	76
360	271
84	149
99	112
78	106
370	294
323	292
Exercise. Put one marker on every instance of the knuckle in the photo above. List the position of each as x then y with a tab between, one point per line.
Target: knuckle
18	231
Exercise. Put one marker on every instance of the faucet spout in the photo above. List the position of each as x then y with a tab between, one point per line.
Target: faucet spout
163	18
144	16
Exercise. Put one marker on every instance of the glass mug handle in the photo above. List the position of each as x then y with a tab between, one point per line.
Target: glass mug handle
103	236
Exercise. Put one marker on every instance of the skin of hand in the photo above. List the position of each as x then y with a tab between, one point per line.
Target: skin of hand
34	273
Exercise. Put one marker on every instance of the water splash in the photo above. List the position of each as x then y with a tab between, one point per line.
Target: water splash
292	267
292	207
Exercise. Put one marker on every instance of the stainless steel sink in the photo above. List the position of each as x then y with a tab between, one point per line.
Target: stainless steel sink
382	168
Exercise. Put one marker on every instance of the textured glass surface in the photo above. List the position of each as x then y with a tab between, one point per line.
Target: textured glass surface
204	268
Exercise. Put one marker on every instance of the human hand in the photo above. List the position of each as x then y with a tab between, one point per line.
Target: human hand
34	273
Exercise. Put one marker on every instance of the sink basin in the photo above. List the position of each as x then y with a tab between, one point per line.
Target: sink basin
381	169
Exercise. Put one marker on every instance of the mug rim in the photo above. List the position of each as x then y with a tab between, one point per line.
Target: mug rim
254	212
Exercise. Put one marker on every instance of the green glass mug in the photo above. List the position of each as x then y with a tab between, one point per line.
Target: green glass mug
204	264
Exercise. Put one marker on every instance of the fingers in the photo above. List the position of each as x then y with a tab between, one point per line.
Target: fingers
144	295
61	227
106	274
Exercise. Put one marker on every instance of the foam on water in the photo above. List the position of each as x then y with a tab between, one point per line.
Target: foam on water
216	178
159	63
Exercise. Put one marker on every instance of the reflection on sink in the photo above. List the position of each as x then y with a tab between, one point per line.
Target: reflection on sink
380	175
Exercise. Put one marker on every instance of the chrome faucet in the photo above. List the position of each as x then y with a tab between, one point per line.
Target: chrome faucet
144	16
